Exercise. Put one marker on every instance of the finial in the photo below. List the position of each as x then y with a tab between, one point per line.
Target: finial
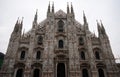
67	3
83	13
48	7
22	20
101	22
84	17
49	2
35	18
53	3
53	6
18	18
98	25
17	21
72	8
36	11
97	21
68	8
103	29
71	3
23	33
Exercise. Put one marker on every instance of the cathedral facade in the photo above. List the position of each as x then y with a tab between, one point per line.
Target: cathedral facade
59	46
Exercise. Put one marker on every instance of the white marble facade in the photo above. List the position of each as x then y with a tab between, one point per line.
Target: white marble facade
59	46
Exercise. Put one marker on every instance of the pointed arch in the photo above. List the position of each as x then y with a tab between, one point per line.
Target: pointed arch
101	73
81	41
60	26
19	73
38	55
40	40
97	55
85	73
60	44
82	54
22	55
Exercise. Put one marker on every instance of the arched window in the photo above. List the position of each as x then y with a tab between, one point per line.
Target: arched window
81	41
60	45
40	40
97	55
19	73
60	26
85	73
36	73
101	73
22	56
82	55
38	55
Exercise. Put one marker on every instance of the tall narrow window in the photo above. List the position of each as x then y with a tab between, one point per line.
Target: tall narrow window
40	40
60	45
97	55
19	73
81	41
82	55
22	56
38	55
101	73
85	73
60	26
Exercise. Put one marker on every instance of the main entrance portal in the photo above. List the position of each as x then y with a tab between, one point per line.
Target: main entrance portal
61	70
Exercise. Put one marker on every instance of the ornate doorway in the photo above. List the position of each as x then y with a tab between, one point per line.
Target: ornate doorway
61	70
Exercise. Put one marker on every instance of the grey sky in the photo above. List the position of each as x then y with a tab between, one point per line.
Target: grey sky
106	10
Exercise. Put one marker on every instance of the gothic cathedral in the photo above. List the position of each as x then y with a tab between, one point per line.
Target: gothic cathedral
59	46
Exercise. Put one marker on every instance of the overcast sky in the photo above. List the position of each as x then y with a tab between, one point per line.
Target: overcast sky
106	10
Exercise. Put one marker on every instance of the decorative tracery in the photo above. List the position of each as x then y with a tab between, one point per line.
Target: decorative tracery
60	26
40	40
